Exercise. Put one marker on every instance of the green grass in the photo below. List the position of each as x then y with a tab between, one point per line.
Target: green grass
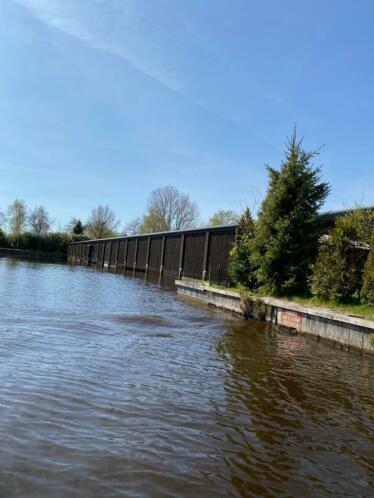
234	289
359	310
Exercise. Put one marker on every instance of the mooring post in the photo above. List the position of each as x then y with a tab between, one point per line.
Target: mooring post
181	255
147	258
206	253
136	256
125	256
117	251
162	259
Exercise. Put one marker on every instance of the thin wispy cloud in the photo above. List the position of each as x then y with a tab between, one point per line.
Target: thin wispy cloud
120	29
86	22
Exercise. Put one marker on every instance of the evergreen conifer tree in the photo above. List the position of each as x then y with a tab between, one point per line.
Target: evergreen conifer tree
245	224
78	227
287	231
240	268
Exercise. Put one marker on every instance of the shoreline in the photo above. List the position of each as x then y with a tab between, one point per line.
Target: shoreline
32	255
347	332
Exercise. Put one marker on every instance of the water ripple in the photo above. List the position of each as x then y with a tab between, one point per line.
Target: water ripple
111	387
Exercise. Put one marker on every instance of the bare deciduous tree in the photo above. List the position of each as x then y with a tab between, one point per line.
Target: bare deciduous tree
101	223
17	218
169	209
40	221
134	226
224	217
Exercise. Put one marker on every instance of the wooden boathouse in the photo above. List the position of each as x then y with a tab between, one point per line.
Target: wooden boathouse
198	253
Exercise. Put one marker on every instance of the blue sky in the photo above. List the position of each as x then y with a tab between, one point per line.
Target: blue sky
102	101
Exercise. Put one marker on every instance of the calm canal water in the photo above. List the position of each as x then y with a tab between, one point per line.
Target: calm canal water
111	387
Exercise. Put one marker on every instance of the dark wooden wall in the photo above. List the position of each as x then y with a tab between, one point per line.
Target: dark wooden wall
199	253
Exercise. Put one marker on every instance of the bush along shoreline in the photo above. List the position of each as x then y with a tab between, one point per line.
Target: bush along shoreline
53	242
288	253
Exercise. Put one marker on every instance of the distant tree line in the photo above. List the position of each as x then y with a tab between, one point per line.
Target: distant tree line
167	209
29	229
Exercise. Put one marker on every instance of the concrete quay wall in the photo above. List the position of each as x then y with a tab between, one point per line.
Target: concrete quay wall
344	331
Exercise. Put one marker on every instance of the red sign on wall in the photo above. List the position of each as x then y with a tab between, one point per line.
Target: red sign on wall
291	319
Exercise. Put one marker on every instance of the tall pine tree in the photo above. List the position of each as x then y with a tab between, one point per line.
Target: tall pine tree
287	232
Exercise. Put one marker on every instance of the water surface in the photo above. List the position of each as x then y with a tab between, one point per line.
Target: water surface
112	387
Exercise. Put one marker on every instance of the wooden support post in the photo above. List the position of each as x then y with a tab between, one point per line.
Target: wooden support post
136	256
162	259
117	251
98	255
125	256
96	251
81	254
181	256
90	250
206	254
103	256
110	253
147	258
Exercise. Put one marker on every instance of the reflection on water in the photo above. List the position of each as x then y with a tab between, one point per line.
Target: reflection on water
111	387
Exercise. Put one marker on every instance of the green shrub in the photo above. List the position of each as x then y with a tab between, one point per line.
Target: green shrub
51	242
338	271
4	242
367	290
240	269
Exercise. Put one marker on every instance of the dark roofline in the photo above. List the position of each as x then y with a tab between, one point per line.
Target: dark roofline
328	215
155	234
341	212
